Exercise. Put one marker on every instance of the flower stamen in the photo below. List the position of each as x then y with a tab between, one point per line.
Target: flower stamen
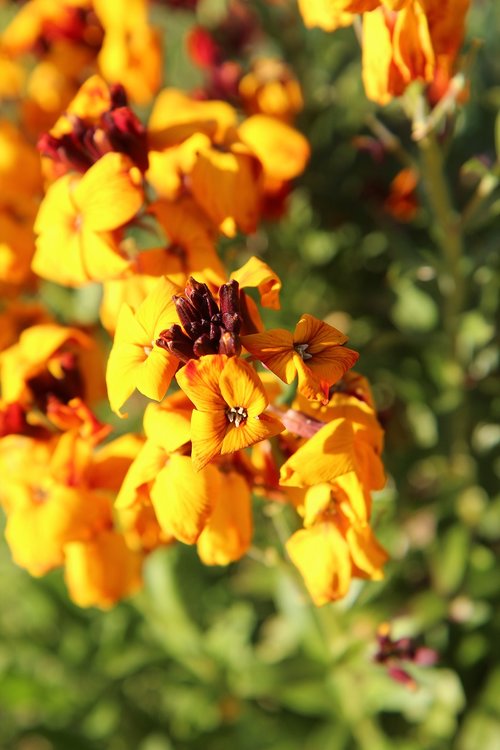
236	415
301	350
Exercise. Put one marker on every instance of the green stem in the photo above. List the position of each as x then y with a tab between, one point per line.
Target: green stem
447	232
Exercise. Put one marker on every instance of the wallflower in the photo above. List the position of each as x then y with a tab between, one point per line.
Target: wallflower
314	352
230	406
227	534
47	500
163	475
136	361
350	442
102	570
397	49
333	547
270	88
131	50
76	220
44	362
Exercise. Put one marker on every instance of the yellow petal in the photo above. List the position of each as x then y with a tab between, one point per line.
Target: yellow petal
156	372
199	379
126	356
283	151
256	428
110	193
367	554
183	499
148	463
169	425
240	386
256	273
228	532
323	458
157	311
322	556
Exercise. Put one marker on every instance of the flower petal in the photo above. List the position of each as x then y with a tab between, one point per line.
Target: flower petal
256	273
110	193
228	532
322	556
183	499
256	428
199	379
241	386
208	430
155	373
275	350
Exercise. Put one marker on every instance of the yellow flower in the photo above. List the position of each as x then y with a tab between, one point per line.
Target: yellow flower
135	361
230	407
334	547
163	475
100	571
77	218
131	50
270	88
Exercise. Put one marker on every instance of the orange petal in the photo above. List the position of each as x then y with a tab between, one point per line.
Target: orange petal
241	386
100	572
317	334
275	350
199	379
227	185
323	458
208	430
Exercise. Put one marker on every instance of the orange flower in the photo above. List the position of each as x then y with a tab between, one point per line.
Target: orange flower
102	570
43	362
47	500
77	218
230	407
333	548
397	49
314	352
271	89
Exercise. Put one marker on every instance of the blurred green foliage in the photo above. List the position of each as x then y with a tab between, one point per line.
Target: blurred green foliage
238	658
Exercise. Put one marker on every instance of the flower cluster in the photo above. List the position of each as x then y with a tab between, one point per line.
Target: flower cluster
184	335
402	40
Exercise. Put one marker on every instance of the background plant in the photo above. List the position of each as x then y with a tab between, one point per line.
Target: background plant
216	658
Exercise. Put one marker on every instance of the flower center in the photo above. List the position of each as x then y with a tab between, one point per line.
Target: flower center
301	349
236	415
